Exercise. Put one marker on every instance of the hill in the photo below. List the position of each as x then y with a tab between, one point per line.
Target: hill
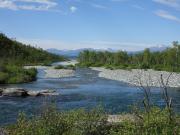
12	51
14	55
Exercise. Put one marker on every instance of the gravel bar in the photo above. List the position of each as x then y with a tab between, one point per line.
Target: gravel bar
139	77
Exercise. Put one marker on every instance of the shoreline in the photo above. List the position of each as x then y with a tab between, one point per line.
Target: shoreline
138	77
51	72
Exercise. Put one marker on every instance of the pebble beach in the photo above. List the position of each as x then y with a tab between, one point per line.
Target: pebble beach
138	77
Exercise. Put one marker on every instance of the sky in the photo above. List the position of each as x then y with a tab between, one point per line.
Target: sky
129	25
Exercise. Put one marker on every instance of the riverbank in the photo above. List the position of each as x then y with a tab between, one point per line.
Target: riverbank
51	72
137	77
67	63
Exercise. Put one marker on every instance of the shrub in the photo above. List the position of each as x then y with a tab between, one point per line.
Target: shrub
94	122
156	122
53	122
15	74
72	67
59	67
3	77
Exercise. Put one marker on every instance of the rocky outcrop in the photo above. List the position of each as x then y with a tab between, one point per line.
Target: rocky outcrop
14	92
19	92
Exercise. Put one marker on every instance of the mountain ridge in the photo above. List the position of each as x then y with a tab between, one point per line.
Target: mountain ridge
75	52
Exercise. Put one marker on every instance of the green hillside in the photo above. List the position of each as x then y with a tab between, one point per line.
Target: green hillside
14	55
18	53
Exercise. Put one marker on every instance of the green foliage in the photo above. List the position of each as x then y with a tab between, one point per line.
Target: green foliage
52	122
14	55
3	77
17	53
94	122
15	74
59	67
156	122
168	60
71	67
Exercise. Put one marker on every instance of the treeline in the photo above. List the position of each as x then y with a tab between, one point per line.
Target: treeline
14	55
167	60
12	51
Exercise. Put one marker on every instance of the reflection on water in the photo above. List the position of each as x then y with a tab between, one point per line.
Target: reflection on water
85	90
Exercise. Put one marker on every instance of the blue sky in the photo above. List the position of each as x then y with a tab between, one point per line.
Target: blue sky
70	24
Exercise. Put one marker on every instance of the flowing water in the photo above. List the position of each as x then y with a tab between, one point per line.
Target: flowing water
84	90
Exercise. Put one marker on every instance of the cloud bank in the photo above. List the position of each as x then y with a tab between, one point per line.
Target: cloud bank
39	5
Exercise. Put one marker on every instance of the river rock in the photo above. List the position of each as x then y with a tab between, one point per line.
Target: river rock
43	93
14	92
33	93
48	93
121	118
2	132
19	92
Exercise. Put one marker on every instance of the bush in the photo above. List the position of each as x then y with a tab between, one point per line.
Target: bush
94	122
3	77
144	66
156	122
15	74
59	67
71	67
52	122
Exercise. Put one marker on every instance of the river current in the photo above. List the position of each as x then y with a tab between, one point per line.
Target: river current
84	90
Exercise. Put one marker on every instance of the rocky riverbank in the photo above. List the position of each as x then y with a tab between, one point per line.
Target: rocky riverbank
138	77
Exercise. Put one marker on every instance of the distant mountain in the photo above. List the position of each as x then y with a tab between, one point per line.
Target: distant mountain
69	53
75	53
158	48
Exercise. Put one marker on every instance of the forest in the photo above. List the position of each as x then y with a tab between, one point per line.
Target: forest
167	60
14	55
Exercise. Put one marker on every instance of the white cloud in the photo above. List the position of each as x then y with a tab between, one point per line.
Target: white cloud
170	3
138	7
73	9
99	6
40	5
167	15
8	4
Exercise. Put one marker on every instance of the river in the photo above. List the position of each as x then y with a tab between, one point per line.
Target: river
84	90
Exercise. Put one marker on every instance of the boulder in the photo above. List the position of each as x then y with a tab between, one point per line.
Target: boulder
14	92
33	93
43	93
